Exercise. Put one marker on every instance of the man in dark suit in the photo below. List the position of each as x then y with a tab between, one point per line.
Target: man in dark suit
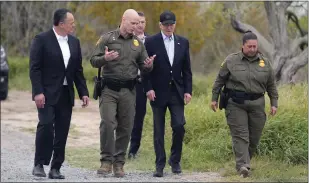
141	99
55	63
169	85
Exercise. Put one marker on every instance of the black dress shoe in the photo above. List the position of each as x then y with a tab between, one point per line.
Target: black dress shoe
175	167
131	155
55	174
158	172
38	171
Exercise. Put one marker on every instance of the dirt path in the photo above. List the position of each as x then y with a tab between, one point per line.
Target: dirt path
18	114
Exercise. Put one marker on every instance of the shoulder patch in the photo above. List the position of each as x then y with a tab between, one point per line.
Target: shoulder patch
222	63
99	41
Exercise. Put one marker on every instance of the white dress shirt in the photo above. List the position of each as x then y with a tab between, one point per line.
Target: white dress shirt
169	46
64	46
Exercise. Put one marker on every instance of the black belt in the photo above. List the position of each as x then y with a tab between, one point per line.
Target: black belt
116	85
240	96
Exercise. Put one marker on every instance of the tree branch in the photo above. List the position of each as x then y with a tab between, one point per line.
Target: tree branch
285	4
294	19
271	9
265	47
294	65
298	42
300	61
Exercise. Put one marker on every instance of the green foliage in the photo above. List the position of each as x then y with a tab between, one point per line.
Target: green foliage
19	73
285	136
293	31
190	22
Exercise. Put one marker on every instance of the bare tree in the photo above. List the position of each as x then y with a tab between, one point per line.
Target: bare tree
287	55
21	21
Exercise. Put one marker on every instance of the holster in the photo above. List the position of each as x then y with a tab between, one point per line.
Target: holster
97	85
223	97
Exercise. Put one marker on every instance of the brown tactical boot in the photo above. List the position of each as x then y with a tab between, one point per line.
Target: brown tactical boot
118	170
106	168
244	172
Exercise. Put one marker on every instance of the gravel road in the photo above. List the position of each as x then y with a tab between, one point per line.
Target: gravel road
17	153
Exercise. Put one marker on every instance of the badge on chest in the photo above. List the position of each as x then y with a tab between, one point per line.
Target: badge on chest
135	42
262	63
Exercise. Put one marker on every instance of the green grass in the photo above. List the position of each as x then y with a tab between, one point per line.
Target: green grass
19	74
263	168
282	154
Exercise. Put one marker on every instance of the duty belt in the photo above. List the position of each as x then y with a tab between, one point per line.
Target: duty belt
240	96
116	85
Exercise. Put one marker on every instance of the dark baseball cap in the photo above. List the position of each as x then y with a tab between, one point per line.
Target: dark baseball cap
167	17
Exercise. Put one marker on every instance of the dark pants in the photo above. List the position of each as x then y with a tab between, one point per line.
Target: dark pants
140	111
246	122
52	131
176	108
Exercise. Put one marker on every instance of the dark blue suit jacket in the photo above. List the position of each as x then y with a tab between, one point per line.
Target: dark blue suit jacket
47	69
163	73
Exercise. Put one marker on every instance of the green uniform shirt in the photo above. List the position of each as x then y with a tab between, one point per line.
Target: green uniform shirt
132	54
252	75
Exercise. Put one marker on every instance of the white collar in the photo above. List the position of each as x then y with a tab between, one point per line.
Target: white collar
142	37
165	37
60	37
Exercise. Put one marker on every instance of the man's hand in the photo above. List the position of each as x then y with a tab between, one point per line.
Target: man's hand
151	95
187	98
85	100
273	110
214	106
149	61
40	100
110	55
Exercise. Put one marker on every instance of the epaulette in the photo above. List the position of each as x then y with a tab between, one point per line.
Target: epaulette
108	32
105	34
235	54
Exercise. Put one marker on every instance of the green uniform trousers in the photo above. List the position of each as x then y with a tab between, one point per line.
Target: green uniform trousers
246	122
117	110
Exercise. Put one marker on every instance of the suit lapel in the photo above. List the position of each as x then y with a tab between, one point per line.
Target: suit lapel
71	49
57	47
163	49
177	47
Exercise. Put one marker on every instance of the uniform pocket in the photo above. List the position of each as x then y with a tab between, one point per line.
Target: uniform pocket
261	74
101	97
239	72
116	48
239	67
135	49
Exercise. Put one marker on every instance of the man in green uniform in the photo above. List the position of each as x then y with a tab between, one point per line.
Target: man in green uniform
246	75
121	54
